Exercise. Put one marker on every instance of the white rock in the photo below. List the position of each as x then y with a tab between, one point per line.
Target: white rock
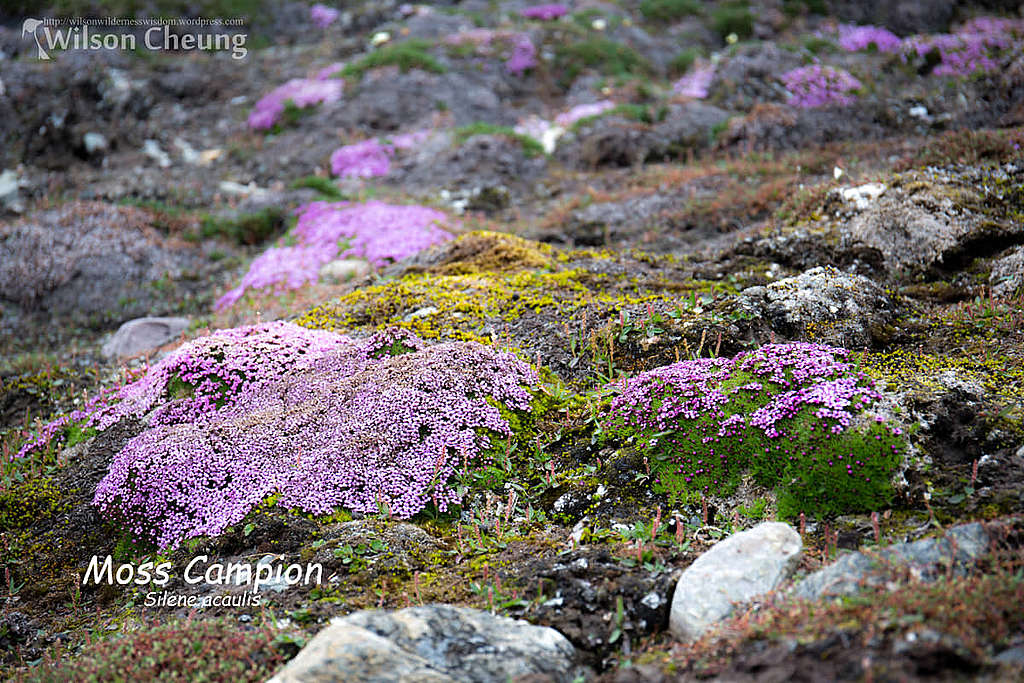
151	148
737	569
94	142
863	196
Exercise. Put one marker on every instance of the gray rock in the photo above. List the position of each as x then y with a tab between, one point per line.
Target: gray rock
903	17
143	335
9	187
94	143
750	75
431	643
924	559
824	305
85	258
737	569
343	270
1008	273
687	126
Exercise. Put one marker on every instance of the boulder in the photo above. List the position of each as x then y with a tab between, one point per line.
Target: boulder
431	643
143	335
824	305
1007	275
737	569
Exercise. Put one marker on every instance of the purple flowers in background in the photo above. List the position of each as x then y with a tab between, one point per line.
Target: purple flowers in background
300	92
696	82
318	418
323	16
855	38
545	12
362	160
819	86
375	231
524	55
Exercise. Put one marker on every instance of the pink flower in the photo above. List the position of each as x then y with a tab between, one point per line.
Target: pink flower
300	92
696	81
819	86
545	12
323	16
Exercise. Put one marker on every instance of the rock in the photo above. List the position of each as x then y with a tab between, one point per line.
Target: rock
737	569
86	258
1007	275
929	222
750	75
143	335
687	126
9	186
151	148
343	270
903	17
862	196
431	643
824	305
94	143
925	559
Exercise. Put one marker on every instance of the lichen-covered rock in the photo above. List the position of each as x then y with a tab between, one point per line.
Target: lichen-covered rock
825	305
1007	275
436	643
737	569
925	559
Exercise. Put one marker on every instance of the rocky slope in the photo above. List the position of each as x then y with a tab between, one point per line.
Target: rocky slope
630	341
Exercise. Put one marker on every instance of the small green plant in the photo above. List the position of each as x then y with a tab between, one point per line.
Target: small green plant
531	147
682	62
407	55
733	18
669	10
325	186
607	57
249	229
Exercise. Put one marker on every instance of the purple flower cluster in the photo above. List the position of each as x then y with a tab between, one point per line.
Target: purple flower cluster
696	82
373	230
785	412
201	376
547	12
976	47
371	158
856	38
299	92
323	16
365	159
524	55
818	86
344	424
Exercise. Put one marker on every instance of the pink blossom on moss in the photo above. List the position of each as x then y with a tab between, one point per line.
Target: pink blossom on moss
523	57
316	418
330	71
546	12
819	86
323	16
856	38
365	159
300	92
583	111
696	82
374	231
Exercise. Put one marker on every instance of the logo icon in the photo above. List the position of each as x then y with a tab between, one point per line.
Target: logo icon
30	26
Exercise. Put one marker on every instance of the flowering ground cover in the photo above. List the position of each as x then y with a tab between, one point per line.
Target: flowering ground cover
794	417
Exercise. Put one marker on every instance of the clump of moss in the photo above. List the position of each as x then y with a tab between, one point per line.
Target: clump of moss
733	17
531	147
482	251
605	56
792	417
407	55
325	186
669	10
248	228
28	502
